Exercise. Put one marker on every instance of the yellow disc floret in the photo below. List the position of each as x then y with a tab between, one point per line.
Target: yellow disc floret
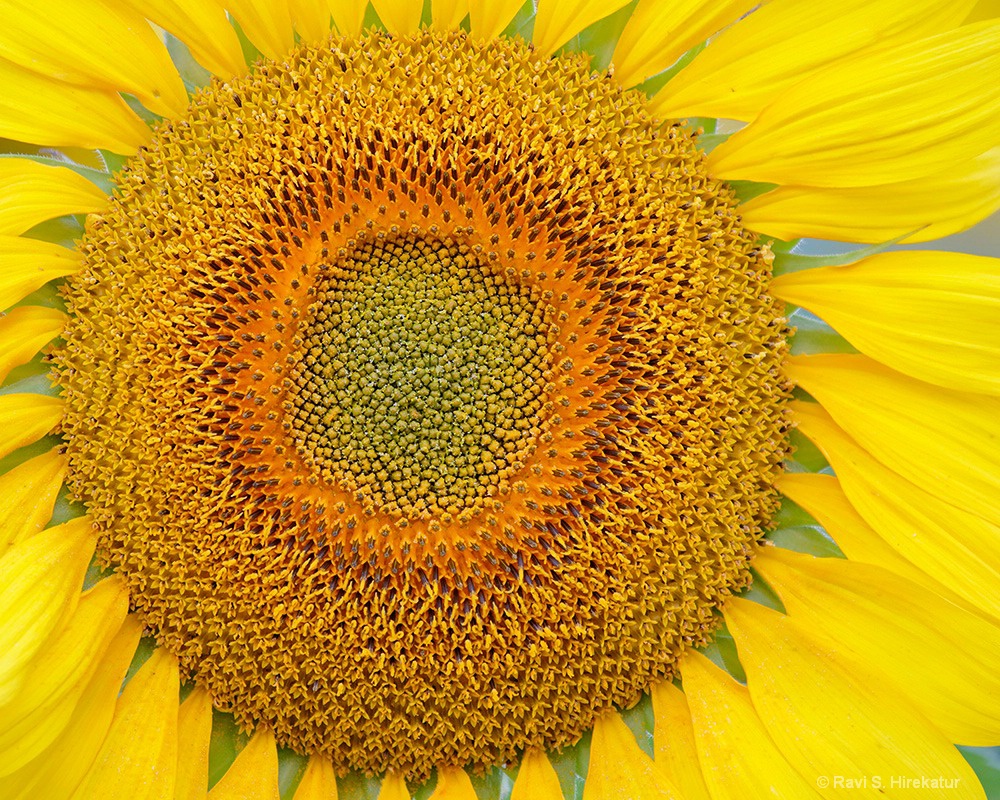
427	395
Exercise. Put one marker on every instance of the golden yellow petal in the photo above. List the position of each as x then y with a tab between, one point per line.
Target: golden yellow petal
268	24
254	773
833	716
942	441
29	264
57	772
488	18
932	103
60	672
40	583
934	206
618	768
26	418
393	788
94	44
311	18
31	193
536	778
674	740
348	15
202	25
985	9
953	546
558	21
398	16
659	33
194	730
453	783
448	14
949	670
740	759
24	331
27	495
749	65
319	782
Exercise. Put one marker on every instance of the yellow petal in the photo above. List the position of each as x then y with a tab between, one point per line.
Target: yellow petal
953	546
24	331
348	15
40	582
399	16
784	41
448	14
674	740
319	781
29	264
38	109
933	315
393	788
741	761
933	205
27	495
658	33
254	773
194	730
93	44
536	778
822	496
944	442
453	783
488	18
58	771
985	9
830	716
618	768
60	672
26	418
31	193
202	25
949	670
138	759
932	103
311	19
557	21
266	23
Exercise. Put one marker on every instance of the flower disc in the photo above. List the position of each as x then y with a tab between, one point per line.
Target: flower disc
427	394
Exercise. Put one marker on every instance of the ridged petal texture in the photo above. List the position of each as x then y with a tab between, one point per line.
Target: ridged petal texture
488	18
31	193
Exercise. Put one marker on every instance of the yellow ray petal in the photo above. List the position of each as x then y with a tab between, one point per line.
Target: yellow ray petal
311	19
27	495
58	40
536	778
254	773
985	9
266	23
934	205
30	264
659	33
194	730
24	331
38	109
393	788
822	496
138	759
488	18
556	21
40	582
618	768
933	315
784	41
453	783
202	25
933	103
60	672
949	671
953	546
31	193
319	781
26	418
398	16
674	740
830	716
448	14
348	15
741	761
944	442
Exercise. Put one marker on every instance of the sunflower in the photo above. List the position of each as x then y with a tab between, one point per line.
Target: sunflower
435	399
